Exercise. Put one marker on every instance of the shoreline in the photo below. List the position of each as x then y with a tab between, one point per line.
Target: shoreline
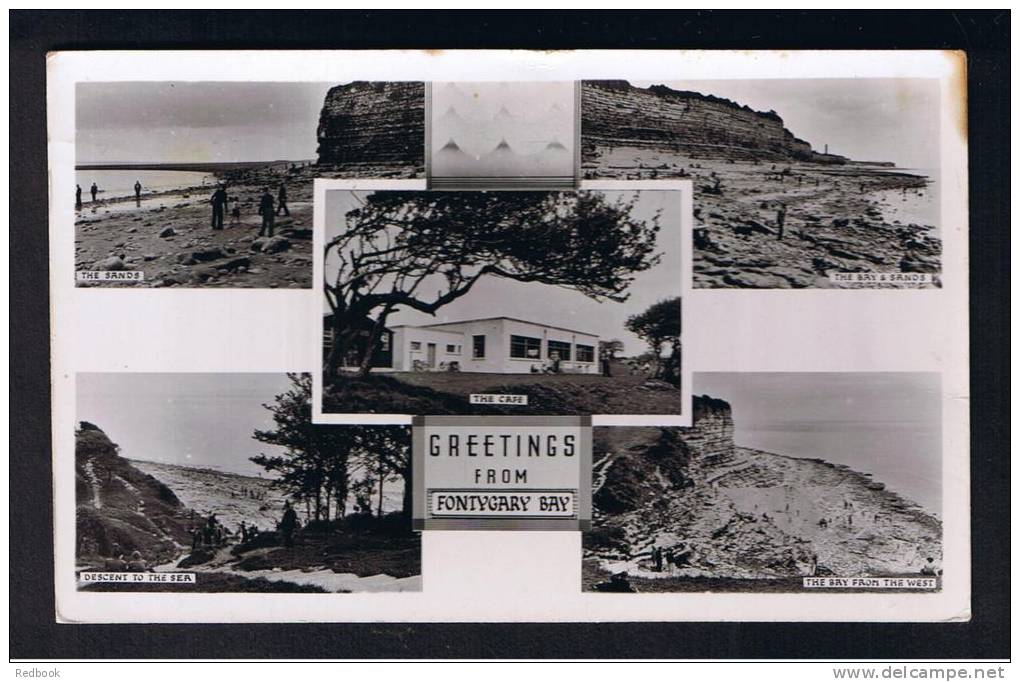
168	238
762	517
839	220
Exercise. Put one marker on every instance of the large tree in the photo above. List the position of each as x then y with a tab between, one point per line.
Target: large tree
319	461
423	250
659	326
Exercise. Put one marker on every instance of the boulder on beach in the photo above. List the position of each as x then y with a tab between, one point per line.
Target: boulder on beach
167	232
270	244
235	263
204	255
111	263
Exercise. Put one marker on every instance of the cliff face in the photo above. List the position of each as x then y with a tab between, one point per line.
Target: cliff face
710	439
637	466
379	125
738	513
121	510
615	113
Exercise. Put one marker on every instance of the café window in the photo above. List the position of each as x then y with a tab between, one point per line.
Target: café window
478	346
526	347
560	348
453	349
585	353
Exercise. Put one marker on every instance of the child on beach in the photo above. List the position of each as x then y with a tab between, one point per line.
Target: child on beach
235	211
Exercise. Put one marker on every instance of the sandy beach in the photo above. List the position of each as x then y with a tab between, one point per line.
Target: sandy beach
168	236
840	218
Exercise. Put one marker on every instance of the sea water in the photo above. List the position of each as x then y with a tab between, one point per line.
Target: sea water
905	456
121	183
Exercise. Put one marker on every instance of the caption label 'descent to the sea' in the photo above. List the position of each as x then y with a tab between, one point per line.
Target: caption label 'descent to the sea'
132	577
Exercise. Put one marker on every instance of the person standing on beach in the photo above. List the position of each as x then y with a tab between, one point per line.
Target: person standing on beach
267	213
77	197
94	190
219	206
281	201
780	220
138	190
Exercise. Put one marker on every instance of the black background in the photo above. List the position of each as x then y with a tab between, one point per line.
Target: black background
984	35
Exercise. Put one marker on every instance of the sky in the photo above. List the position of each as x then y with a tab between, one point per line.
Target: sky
866	119
546	304
197	121
190	419
885	423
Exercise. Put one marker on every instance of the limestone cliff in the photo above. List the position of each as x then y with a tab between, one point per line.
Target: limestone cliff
370	125
615	113
737	513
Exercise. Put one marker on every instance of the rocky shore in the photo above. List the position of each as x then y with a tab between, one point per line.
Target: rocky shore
841	216
169	239
742	517
839	219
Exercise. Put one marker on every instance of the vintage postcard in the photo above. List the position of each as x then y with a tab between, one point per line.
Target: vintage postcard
509	336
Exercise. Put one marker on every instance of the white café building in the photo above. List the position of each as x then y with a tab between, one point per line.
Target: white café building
501	345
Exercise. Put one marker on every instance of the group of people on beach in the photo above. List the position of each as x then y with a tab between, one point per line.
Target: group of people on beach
118	562
94	191
212	533
269	208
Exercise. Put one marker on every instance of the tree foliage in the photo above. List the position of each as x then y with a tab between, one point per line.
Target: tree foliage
424	250
660	327
320	462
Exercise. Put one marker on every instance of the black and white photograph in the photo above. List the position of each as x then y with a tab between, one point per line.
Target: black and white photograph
501	133
209	184
786	482
220	483
798	183
502	302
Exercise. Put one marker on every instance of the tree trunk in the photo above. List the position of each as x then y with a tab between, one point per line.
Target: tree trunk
405	507
373	338
382	479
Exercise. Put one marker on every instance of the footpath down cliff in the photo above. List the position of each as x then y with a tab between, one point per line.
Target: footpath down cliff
121	510
727	512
